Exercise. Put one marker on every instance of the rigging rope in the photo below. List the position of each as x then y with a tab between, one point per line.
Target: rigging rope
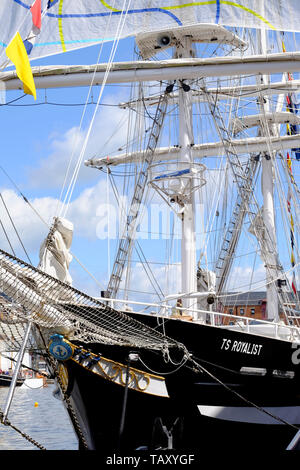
15	229
46	224
120	26
33	295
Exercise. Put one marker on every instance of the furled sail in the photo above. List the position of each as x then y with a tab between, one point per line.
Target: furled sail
68	24
55	255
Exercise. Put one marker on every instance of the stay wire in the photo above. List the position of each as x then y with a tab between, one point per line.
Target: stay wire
7	238
15	229
137	245
75	143
51	103
69	193
9	103
47	225
22	195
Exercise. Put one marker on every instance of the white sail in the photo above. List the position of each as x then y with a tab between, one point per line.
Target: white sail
68	25
55	254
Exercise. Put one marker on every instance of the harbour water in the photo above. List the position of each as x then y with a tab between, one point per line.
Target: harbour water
41	416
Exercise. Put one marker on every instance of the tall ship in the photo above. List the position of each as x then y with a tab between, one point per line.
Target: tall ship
201	210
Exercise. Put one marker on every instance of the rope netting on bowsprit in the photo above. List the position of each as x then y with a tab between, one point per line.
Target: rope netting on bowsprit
12	327
28	294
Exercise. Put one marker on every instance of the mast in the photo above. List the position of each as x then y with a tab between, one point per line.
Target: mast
268	213
188	237
178	187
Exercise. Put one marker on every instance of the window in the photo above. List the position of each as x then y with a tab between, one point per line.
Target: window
242	311
252	311
230	311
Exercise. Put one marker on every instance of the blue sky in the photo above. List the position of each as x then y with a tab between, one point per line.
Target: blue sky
36	143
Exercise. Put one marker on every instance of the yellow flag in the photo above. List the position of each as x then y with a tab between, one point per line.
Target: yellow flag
16	52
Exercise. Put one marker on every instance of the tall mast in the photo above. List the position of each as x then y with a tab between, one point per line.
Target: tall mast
268	213
178	186
186	139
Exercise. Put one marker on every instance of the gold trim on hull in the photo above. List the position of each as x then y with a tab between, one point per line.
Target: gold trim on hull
116	372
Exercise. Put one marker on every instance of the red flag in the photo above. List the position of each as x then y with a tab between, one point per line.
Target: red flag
36	12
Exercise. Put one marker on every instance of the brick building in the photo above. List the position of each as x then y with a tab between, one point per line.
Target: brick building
248	304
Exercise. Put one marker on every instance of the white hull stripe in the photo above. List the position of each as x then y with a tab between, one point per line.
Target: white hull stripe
245	414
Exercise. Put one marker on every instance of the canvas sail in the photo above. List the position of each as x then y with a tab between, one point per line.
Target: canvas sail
68	25
55	256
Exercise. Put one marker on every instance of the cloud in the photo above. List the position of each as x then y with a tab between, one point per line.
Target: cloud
142	286
86	213
32	231
243	278
29	226
32	220
108	134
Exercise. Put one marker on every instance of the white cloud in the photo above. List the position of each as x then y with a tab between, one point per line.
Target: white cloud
29	226
245	278
85	214
141	288
82	212
89	209
64	150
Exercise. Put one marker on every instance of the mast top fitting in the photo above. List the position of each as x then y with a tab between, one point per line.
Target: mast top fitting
151	43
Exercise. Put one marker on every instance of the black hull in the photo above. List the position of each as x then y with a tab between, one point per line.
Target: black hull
99	402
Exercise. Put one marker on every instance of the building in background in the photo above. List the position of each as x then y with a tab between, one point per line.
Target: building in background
248	304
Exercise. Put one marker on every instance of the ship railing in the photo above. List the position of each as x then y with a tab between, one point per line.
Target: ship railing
222	320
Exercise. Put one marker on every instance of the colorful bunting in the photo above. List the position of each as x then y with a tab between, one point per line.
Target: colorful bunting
16	52
292	241
36	12
292	107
